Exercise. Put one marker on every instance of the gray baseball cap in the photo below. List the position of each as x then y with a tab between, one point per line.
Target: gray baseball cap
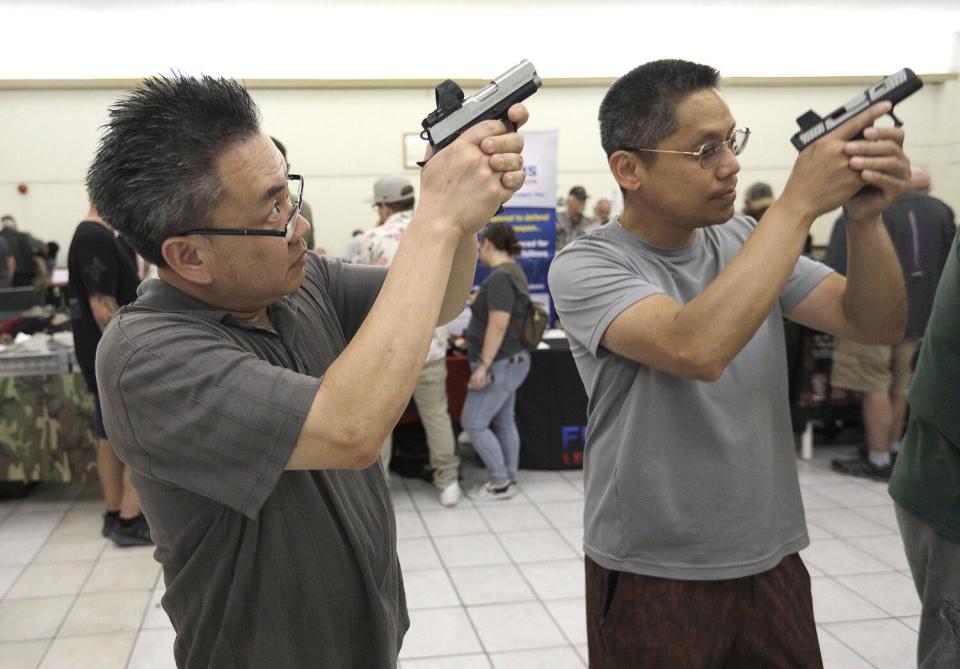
391	189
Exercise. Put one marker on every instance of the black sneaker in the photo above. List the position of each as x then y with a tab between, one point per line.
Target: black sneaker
862	467
135	533
109	521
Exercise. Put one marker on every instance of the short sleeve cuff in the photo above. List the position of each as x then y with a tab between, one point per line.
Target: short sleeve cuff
297	394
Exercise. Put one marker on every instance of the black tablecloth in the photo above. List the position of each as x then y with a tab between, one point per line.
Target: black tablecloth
552	411
551	415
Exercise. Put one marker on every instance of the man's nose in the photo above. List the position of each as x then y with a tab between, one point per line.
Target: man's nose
301	229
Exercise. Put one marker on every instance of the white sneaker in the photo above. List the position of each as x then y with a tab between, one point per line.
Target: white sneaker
450	495
489	491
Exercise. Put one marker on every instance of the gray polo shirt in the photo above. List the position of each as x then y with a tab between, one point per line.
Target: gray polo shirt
263	567
684	479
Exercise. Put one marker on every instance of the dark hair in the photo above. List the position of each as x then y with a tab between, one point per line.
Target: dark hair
280	147
503	237
639	109
52	249
155	173
401	205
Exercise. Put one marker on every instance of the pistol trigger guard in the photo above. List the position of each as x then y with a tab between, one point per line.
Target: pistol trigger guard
896	122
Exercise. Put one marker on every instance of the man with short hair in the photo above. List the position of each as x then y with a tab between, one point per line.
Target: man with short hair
674	312
758	199
24	267
922	229
573	223
249	388
8	263
393	198
601	212
102	279
391	195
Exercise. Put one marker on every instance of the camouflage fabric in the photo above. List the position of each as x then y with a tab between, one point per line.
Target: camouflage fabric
46	429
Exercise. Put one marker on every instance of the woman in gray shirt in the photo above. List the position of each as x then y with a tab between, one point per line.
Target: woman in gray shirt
498	361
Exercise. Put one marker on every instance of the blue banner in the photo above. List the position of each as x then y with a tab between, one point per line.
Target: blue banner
536	230
532	213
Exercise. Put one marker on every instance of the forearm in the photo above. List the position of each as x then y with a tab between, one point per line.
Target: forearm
368	386
103	307
492	339
370	383
875	300
461	279
718	323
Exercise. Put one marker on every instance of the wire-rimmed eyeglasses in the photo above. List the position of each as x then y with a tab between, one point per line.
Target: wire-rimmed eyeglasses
709	154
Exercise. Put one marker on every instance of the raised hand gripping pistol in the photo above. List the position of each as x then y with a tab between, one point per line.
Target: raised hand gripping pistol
895	88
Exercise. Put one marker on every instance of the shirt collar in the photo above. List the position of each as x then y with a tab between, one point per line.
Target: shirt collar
161	296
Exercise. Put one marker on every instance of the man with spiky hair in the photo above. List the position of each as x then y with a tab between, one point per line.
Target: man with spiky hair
674	312
249	387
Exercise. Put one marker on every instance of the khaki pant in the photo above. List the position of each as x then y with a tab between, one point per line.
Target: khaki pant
872	369
430	395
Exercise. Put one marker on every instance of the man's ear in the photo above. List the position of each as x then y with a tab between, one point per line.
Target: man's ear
187	257
629	171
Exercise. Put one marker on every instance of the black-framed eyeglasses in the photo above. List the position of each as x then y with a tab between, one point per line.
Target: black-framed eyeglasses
709	154
277	213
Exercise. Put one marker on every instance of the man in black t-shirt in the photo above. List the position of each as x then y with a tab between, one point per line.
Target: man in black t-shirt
7	263
19	242
102	279
922	230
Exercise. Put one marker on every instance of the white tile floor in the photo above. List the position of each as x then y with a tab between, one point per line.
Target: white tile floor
495	584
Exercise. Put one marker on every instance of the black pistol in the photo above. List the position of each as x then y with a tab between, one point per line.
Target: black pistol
454	114
895	88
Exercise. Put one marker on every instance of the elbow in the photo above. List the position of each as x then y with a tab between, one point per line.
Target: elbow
708	372
364	453
887	336
367	457
889	333
358	449
700	366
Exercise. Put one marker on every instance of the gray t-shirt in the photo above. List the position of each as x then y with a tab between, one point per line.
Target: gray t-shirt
263	567
684	479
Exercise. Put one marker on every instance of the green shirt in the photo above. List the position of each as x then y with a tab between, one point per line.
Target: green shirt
926	480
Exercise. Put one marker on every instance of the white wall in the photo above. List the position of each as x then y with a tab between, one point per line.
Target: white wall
378	39
342	140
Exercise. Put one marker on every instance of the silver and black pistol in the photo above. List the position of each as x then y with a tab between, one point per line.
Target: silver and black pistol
896	87
454	114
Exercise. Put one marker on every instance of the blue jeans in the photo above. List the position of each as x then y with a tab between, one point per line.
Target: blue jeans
492	407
